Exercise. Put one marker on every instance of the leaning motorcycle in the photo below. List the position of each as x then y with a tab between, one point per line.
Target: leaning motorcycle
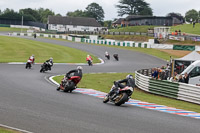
28	64
120	98
107	56
69	84
116	57
90	62
45	67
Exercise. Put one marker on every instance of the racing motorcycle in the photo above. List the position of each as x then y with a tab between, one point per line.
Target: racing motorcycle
120	98
116	57
45	67
90	62
68	84
28	64
107	56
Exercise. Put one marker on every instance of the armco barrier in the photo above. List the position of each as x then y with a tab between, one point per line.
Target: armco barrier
176	90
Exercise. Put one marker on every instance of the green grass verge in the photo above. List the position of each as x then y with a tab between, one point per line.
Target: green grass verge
12	29
104	81
18	50
5	130
142	29
187	28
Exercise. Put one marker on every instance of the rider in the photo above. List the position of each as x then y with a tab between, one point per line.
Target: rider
106	54
49	63
31	59
128	81
76	72
88	58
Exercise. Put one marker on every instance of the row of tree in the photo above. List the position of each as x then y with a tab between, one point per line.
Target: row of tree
94	10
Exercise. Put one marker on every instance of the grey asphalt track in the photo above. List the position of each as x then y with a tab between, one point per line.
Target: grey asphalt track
28	101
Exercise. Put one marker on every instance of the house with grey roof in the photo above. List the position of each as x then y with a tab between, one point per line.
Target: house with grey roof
63	24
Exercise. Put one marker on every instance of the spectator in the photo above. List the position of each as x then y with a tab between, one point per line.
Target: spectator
180	79
155	74
175	78
194	24
179	32
186	78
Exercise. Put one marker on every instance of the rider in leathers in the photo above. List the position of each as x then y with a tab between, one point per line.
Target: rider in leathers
128	81
76	72
49	63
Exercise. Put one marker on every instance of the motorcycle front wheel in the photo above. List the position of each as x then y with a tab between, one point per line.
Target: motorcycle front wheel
122	98
106	99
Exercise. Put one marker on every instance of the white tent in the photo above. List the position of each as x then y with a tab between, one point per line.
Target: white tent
193	56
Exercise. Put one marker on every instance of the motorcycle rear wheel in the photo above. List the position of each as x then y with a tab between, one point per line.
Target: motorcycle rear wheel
121	99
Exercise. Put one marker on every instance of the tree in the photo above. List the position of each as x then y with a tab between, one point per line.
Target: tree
176	15
191	15
30	13
10	14
134	7
44	13
94	10
77	13
107	24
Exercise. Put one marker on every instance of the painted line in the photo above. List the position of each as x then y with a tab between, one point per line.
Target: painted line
16	129
138	103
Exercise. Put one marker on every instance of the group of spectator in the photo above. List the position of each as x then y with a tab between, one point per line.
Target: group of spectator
163	73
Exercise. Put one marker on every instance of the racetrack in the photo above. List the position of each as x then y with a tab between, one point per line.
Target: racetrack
28	101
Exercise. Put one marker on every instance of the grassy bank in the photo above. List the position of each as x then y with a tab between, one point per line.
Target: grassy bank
18	50
104	81
142	29
12	29
5	130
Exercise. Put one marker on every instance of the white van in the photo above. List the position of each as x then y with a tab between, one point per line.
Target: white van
193	70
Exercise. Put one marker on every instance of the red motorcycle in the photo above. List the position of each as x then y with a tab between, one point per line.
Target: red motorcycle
69	84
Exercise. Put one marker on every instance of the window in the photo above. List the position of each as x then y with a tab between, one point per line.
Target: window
195	72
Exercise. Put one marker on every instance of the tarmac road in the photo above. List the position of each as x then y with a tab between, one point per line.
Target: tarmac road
28	101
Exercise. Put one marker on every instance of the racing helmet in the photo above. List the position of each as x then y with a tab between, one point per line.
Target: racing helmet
79	68
129	76
50	58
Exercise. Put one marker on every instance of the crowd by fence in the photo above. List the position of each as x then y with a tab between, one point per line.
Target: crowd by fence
172	89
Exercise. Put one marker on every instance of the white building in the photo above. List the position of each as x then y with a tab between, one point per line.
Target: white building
73	24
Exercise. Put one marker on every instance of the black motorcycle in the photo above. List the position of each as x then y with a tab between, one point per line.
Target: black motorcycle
28	64
119	98
107	56
90	62
45	67
116	57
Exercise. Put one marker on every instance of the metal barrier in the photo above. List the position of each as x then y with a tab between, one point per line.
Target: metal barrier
176	90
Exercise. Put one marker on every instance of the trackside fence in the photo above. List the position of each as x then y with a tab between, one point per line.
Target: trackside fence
176	90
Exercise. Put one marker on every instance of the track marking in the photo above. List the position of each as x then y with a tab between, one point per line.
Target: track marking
16	129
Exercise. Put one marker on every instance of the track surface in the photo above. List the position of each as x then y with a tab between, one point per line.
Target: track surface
28	101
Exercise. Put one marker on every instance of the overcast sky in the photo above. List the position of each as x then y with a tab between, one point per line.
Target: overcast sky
160	7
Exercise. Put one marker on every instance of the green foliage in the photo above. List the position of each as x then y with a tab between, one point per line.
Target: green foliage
40	15
133	7
107	24
77	13
191	14
94	10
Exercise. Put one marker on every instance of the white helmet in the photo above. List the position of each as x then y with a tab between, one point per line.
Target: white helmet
51	58
33	55
88	55
79	68
129	76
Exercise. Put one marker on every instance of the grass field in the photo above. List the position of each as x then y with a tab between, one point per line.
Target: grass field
12	29
5	130
142	29
103	82
18	50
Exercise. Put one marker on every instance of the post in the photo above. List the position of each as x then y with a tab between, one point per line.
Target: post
22	23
